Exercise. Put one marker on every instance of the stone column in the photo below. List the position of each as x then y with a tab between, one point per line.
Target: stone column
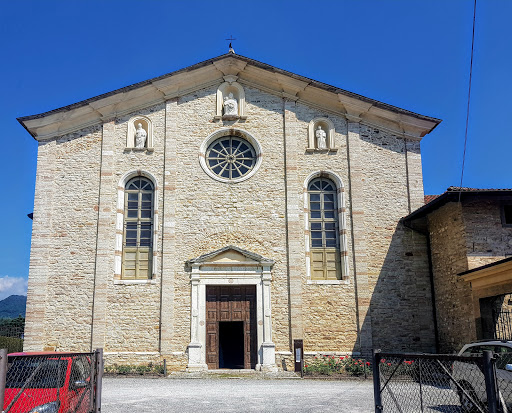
356	159
105	247
268	362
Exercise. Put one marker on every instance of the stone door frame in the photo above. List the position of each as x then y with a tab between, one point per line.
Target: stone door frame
256	270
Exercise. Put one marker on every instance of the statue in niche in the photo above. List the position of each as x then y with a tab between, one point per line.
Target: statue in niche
140	136
320	138
230	105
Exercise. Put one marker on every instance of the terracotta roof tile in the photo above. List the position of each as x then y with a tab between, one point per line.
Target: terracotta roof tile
467	189
429	198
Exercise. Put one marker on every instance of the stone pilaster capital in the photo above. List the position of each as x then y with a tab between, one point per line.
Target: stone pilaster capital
194	276
230	78
352	118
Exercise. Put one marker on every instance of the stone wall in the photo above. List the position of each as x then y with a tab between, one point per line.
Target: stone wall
487	239
398	278
384	299
453	295
60	292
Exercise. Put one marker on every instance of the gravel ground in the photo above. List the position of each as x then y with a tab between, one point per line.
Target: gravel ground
236	394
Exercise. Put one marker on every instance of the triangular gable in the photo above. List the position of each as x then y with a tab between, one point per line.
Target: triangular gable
231	255
250	72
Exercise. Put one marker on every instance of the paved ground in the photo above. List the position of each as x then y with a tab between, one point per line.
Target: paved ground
235	394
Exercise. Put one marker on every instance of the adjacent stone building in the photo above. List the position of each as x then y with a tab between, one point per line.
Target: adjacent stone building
470	237
214	215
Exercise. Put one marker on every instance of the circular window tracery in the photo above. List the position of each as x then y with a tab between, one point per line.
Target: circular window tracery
230	157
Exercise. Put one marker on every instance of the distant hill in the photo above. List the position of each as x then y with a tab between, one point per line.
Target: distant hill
13	306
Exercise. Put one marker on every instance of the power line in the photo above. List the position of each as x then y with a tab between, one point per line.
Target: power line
469	100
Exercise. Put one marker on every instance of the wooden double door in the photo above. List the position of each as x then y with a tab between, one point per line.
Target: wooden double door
231	327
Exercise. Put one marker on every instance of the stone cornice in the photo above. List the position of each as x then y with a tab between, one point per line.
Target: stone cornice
265	77
489	275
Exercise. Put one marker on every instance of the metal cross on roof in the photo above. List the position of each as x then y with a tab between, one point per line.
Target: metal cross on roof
231	38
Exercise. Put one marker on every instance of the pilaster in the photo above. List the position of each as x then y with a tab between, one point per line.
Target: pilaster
105	244
268	358
293	224
196	348
415	175
360	253
35	338
168	229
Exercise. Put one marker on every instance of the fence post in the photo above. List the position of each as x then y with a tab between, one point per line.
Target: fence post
421	385
99	378
3	374
376	381
490	382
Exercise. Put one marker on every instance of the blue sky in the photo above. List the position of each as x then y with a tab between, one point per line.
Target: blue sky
413	54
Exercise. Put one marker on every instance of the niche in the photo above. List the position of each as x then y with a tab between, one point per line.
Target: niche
230	100
140	133
321	135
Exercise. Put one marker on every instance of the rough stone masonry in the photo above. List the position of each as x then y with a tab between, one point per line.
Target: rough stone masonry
77	297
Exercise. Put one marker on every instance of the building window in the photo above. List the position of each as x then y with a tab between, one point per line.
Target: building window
231	157
138	229
506	215
324	230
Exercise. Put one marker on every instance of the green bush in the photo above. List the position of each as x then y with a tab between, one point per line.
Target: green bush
344	365
13	345
140	369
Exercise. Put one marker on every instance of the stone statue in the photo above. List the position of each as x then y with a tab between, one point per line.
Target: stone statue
320	138
140	137
230	105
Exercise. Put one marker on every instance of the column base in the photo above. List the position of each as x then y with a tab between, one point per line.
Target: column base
195	362
196	367
268	358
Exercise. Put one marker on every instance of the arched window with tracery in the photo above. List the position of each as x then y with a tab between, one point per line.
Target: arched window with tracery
138	229
324	230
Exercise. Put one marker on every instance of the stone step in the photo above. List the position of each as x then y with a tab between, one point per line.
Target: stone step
234	374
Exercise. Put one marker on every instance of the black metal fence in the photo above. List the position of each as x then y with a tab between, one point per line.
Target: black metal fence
51	382
442	383
502	325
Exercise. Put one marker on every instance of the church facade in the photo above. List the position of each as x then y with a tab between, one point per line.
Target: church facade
214	215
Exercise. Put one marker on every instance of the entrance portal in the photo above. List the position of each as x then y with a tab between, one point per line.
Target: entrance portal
231	344
231	327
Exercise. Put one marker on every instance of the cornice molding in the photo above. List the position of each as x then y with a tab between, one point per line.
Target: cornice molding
228	68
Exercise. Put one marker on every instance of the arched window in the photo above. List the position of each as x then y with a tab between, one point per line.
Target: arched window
324	230
138	229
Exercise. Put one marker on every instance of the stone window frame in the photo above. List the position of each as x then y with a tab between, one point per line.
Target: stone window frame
342	231
330	132
140	227
130	136
118	260
240	133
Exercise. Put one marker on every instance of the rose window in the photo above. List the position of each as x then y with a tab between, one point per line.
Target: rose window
231	157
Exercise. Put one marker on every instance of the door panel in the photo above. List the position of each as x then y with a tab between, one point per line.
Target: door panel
231	303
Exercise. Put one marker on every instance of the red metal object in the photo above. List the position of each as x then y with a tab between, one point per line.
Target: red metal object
63	393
